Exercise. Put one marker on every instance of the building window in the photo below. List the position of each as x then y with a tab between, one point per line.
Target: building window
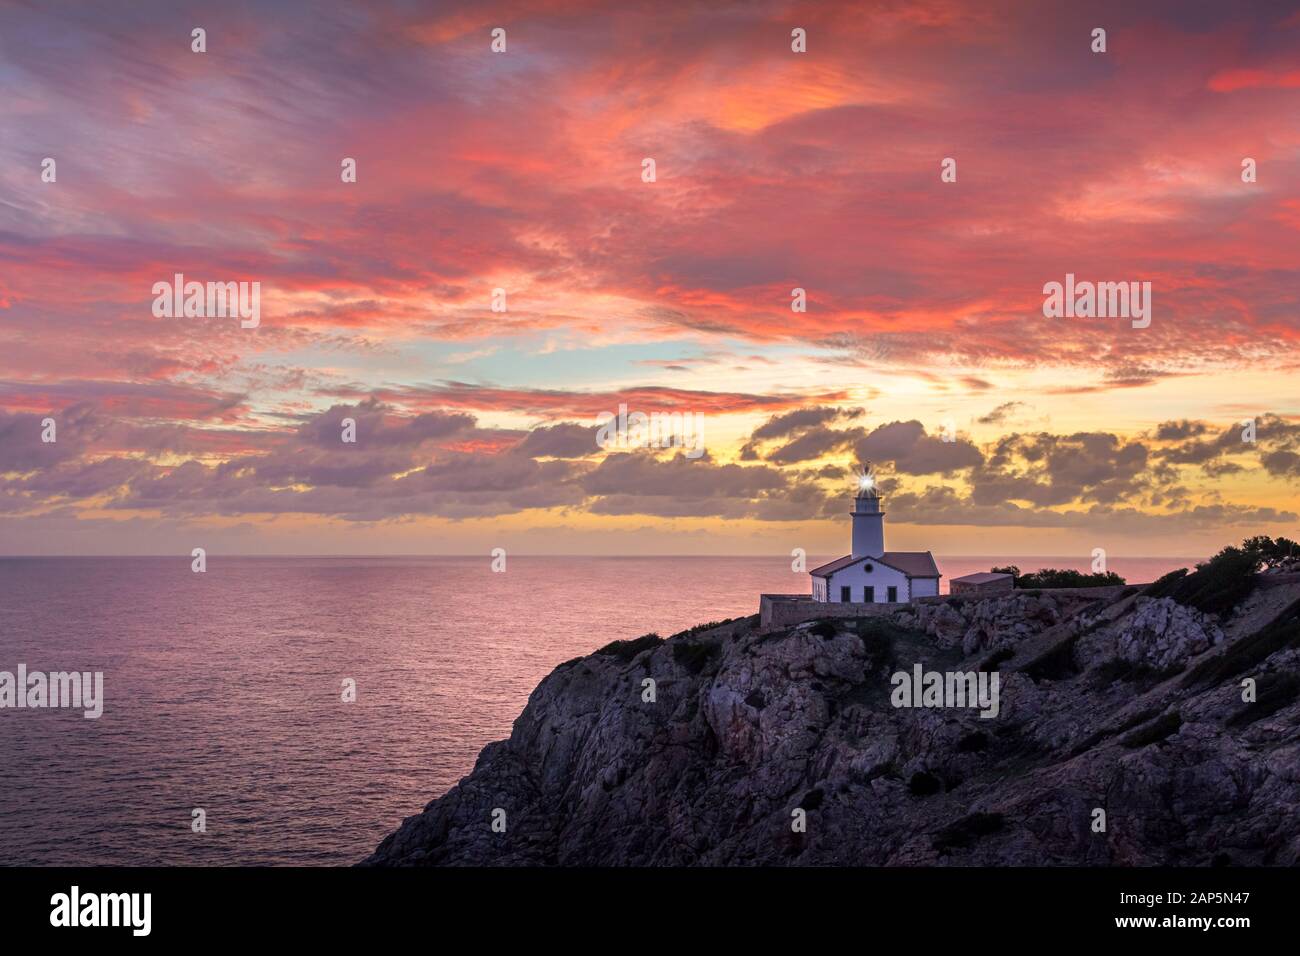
845	595
891	594
866	568
869	594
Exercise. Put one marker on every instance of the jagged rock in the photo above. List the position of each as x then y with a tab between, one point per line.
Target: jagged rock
747	728
990	624
1162	633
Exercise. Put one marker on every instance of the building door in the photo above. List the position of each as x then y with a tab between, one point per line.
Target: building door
869	594
891	594
845	595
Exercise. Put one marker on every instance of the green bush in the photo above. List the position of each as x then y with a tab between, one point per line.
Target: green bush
703	627
1064	578
694	656
626	650
878	637
1271	551
1165	585
1058	578
1216	586
1225	580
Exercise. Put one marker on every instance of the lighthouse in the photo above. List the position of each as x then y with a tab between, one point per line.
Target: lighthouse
870	574
868	519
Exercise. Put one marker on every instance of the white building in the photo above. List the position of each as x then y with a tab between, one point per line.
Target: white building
870	574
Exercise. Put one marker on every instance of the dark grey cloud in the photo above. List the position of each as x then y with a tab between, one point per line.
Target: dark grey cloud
913	452
781	426
565	440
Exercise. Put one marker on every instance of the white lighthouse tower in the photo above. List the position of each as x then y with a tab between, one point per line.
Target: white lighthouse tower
872	575
868	519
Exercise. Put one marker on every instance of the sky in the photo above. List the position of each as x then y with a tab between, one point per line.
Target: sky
923	345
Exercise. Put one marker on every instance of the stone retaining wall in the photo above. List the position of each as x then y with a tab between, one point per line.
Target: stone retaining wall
785	610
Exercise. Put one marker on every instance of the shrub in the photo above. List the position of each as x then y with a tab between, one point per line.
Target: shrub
1224	581
694	655
1271	551
690	631
1165	585
1064	578
626	650
877	638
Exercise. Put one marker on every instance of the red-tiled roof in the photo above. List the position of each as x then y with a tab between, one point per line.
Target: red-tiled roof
826	570
915	564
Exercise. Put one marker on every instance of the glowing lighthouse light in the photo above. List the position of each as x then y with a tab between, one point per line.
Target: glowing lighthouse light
867	481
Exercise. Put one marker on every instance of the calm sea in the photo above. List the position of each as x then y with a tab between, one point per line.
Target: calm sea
223	689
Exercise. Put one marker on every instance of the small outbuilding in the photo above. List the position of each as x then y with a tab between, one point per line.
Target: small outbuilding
982	582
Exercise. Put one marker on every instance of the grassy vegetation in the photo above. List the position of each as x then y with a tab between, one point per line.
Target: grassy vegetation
626	650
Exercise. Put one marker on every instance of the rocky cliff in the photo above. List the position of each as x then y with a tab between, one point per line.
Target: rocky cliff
1132	731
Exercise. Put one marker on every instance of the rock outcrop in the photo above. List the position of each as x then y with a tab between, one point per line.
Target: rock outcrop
1126	741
